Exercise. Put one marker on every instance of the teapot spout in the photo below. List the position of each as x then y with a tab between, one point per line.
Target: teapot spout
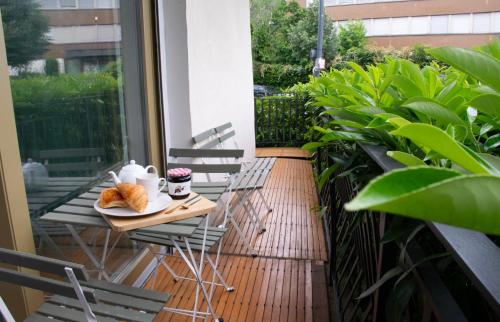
115	177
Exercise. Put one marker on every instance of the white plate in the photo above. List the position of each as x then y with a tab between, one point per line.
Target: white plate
162	202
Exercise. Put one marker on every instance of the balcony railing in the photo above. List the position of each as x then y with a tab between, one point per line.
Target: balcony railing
281	121
71	123
466	289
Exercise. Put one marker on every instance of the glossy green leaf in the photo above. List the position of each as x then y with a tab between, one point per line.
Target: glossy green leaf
387	276
361	72
458	132
413	72
405	158
492	142
312	146
434	111
478	65
487	103
325	175
439	141
398	121
436	194
406	86
343	135
491	160
347	123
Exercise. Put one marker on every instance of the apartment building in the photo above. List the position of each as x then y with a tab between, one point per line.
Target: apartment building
401	23
83	33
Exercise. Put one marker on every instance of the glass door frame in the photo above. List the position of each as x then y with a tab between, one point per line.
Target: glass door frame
16	232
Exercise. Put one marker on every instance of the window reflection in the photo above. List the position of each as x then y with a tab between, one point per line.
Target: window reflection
65	64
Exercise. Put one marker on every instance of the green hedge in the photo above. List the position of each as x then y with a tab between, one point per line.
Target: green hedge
280	75
282	120
68	111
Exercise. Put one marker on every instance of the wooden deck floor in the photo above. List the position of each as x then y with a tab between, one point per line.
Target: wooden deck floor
278	284
282	153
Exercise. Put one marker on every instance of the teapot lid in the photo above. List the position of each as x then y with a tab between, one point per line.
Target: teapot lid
30	164
132	166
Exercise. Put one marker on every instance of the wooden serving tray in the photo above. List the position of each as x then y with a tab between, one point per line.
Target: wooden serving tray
202	207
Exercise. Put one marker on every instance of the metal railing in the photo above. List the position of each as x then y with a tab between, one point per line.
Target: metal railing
358	258
76	122
281	121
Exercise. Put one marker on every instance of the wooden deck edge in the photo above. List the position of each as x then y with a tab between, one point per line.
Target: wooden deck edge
321	307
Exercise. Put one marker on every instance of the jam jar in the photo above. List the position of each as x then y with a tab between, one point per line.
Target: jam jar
179	182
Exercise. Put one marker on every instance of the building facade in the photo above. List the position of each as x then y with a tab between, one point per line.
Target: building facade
402	23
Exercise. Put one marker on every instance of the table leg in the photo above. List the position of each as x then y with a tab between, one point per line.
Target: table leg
197	271
88	252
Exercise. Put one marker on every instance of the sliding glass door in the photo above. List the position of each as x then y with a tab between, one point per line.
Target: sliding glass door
78	95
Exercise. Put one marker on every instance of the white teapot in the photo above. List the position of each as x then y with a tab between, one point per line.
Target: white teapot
129	173
36	176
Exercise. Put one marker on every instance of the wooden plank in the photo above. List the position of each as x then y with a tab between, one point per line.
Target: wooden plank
320	287
282	153
280	286
202	207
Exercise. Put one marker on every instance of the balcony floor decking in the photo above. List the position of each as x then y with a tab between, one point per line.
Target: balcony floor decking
278	284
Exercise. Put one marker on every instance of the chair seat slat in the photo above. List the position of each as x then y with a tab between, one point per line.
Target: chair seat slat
40	318
205	153
127	290
68	314
106	310
49	265
44	284
128	301
206	168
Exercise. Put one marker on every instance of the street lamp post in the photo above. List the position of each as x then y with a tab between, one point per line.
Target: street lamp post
319	63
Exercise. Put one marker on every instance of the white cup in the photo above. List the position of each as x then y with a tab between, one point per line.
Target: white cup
151	182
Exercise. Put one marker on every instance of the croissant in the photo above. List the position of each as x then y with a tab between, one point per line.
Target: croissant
110	198
135	195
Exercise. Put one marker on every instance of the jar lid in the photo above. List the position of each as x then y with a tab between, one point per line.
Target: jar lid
179	172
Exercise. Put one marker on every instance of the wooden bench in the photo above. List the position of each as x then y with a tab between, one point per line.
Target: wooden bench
76	296
82	161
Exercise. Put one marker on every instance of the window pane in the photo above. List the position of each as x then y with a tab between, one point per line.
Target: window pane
460	24
400	26
496	22
368	26
380	27
439	24
85	4
67	4
419	25
48	4
105	4
73	116
481	23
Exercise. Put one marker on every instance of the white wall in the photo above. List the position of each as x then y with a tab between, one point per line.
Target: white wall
219	83
220	67
174	73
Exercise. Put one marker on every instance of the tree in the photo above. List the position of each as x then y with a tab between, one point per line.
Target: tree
25	30
353	35
304	34
284	32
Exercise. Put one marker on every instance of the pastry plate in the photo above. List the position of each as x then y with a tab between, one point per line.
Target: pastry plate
161	203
